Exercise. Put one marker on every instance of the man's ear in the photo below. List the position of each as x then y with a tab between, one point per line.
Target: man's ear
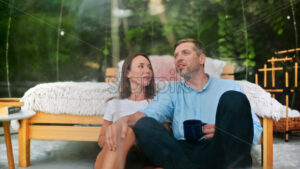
202	58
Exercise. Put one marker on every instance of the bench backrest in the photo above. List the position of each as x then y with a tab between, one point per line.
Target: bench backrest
112	72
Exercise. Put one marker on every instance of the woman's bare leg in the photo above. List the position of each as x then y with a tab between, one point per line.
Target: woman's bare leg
107	159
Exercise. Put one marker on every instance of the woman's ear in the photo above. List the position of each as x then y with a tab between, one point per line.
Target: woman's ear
128	74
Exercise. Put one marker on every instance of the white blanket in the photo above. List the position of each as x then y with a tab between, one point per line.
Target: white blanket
79	98
88	98
263	104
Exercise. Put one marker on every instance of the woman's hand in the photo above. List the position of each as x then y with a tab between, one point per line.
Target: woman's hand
119	129
115	132
101	139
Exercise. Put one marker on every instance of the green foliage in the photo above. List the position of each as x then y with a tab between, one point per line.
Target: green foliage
219	24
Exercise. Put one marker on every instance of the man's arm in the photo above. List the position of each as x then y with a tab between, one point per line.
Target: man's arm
132	119
120	128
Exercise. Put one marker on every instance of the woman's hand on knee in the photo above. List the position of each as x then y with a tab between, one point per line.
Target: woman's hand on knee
113	133
111	137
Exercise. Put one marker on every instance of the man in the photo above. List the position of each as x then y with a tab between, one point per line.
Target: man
231	126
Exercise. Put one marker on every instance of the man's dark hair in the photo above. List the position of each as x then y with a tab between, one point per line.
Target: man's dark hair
199	46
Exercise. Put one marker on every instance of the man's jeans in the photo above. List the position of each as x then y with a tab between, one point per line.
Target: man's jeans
229	148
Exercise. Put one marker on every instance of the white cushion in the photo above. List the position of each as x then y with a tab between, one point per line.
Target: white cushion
214	67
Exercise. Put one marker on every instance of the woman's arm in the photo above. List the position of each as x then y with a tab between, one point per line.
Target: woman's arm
101	140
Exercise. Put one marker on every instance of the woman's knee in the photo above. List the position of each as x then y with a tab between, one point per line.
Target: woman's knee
129	140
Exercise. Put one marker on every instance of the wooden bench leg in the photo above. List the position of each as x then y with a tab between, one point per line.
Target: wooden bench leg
24	144
286	136
10	156
267	143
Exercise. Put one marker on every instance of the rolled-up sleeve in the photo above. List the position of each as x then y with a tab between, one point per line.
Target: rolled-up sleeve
162	106
257	129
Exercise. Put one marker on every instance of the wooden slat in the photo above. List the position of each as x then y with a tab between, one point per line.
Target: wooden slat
228	77
42	117
278	90
9	99
111	71
11	103
65	133
228	69
287	51
280	59
111	74
110	79
270	69
267	143
228	72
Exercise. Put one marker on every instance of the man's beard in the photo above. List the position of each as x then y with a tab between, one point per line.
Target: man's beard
186	76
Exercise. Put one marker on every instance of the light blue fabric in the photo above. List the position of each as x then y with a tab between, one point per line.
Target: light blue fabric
180	102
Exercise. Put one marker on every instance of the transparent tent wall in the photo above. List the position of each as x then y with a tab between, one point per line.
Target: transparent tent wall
76	40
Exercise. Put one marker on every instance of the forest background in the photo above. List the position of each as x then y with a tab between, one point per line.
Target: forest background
76	40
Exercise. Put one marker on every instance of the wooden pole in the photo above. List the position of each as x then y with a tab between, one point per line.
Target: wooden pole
273	73
286	79
267	143
287	107
24	144
286	117
256	78
296	74
265	75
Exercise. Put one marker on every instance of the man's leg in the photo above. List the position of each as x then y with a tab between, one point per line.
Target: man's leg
160	147
234	131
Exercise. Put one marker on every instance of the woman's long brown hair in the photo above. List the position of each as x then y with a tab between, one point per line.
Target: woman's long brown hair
125	83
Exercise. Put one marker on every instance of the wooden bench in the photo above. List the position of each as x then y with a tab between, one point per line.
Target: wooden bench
66	127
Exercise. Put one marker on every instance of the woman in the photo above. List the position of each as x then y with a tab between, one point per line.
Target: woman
137	89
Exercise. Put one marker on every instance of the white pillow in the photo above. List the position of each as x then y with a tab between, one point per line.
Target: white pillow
214	67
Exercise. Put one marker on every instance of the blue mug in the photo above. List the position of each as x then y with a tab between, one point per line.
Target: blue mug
193	129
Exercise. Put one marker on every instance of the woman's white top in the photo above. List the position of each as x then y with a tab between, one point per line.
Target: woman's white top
117	108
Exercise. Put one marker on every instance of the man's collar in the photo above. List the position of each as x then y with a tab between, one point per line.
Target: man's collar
205	86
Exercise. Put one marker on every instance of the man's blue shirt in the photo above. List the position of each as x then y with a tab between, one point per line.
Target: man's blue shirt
180	102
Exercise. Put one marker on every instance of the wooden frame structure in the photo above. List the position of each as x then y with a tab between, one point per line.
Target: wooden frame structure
287	89
47	126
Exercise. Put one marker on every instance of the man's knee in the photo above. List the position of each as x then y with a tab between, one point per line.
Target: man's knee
235	101
148	127
144	124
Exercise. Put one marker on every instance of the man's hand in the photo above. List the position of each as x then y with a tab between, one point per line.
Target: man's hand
209	131
114	131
